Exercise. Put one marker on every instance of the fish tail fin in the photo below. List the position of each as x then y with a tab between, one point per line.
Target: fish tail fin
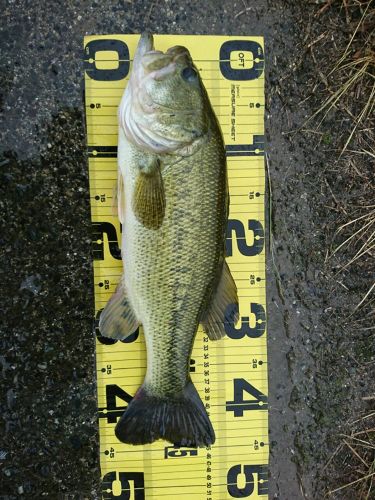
182	421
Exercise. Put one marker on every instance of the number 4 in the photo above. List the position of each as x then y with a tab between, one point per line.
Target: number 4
239	404
112	412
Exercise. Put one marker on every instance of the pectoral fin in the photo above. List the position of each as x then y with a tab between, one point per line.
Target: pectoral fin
117	320
223	307
149	198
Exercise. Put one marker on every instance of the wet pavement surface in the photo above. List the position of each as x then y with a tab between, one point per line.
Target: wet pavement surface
49	445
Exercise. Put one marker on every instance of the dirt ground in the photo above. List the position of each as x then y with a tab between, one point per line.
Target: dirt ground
321	348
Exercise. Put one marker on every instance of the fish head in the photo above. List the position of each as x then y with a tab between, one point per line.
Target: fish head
165	107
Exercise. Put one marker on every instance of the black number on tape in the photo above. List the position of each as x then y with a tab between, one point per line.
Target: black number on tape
101	228
112	412
233	478
241	72
239	404
249	250
121	489
244	329
192	365
98	231
175	452
107	45
107	341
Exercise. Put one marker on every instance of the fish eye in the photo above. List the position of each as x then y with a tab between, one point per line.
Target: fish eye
189	74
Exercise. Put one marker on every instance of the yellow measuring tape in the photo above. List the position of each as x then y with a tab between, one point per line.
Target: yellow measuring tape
231	374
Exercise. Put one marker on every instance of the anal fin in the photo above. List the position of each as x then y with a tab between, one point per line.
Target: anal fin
117	320
223	307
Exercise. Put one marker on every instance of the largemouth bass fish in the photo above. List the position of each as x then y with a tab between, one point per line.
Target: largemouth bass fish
173	205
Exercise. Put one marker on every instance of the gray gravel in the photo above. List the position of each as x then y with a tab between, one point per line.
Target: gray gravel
49	445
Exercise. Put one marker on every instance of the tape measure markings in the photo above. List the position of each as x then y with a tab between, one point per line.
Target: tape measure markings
138	480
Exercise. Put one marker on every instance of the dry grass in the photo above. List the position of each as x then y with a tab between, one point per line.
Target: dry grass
350	84
351	80
349	90
356	458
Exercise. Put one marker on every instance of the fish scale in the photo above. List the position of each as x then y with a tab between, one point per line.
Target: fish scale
162	276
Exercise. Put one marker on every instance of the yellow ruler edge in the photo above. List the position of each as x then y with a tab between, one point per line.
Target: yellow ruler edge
231	374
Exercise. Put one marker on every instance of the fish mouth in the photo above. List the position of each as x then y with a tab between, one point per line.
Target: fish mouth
145	44
156	64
